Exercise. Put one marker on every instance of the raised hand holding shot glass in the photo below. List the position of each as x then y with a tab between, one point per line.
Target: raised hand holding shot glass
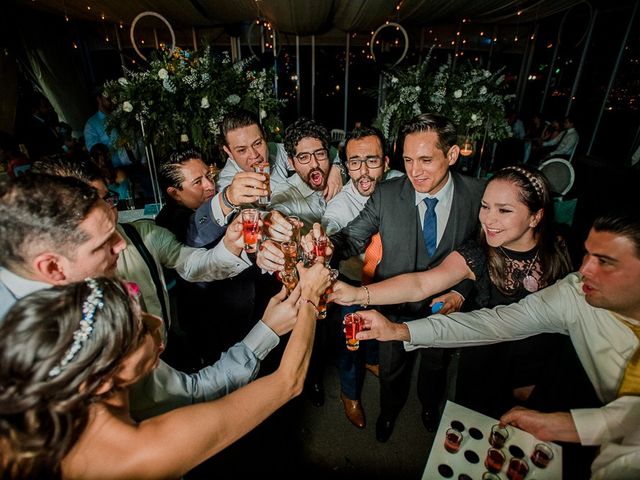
265	169
250	229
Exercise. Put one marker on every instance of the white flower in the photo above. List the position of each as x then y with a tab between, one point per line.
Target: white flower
123	81
474	117
127	107
483	90
457	94
394	79
233	99
263	114
184	138
204	103
162	74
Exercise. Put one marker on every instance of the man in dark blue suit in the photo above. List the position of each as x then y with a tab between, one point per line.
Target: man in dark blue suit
421	218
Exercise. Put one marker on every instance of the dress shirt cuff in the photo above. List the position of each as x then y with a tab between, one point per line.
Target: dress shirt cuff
216	211
591	425
225	257
261	340
409	346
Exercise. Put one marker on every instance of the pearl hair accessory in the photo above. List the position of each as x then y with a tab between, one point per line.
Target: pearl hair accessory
80	336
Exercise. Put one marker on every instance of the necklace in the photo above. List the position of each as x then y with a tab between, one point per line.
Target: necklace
529	282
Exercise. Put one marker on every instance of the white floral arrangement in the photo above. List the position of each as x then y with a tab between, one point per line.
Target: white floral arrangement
182	97
471	97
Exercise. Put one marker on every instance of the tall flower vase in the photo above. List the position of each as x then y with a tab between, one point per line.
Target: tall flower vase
153	172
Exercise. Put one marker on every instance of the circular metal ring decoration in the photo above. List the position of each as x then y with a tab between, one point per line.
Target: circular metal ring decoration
276	37
151	14
404	34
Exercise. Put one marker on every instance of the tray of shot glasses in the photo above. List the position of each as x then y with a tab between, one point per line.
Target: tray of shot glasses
471	446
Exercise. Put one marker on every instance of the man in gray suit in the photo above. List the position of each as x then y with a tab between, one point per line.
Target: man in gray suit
421	218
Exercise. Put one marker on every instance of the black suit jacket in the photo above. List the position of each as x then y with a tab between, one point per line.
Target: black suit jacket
391	210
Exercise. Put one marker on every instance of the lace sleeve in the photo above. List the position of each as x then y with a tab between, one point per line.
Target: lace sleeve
474	255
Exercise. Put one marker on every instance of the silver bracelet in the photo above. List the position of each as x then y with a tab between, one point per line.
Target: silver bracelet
226	200
366	304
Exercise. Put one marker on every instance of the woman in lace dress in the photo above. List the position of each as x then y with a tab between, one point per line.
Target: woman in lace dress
517	253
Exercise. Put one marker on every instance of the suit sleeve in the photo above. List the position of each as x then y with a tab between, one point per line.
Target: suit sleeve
203	230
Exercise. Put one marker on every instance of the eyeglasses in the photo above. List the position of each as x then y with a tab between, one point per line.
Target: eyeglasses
356	163
320	155
112	199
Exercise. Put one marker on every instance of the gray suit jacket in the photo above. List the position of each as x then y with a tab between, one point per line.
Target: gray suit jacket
391	210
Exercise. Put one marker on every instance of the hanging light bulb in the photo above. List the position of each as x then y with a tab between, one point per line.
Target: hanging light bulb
467	147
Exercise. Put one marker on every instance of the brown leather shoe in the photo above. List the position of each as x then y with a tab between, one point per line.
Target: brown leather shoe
353	410
373	368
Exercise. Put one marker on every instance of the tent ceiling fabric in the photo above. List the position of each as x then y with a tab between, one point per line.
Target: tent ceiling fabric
304	17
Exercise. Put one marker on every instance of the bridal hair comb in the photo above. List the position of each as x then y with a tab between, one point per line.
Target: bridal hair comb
93	302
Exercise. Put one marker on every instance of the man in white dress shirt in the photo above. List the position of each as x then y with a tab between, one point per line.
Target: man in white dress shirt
599	308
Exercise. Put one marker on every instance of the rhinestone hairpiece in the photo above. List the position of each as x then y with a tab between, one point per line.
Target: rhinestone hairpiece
80	336
537	185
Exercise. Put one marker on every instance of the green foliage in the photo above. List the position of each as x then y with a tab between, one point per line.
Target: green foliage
471	97
182	97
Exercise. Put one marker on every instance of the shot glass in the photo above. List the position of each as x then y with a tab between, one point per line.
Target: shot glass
518	469
289	278
265	169
494	460
295	223
541	455
452	440
352	325
498	436
320	246
290	251
250	219
490	476
322	303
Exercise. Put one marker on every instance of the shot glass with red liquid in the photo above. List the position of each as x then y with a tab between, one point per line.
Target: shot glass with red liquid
541	455
250	229
494	460
518	469
353	323
452	440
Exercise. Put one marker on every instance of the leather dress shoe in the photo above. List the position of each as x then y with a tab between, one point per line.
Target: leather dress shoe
373	368
384	428
353	410
315	392
430	420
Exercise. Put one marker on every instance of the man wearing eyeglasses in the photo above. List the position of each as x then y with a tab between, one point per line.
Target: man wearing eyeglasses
307	146
367	165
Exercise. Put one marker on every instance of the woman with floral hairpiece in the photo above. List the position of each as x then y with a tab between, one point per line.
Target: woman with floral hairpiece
517	253
67	357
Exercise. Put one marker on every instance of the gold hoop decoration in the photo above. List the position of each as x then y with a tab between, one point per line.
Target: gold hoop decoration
404	34
151	14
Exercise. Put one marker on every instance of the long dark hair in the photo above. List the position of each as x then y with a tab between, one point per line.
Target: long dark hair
42	417
535	193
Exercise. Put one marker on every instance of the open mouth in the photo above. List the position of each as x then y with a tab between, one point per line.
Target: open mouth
316	177
365	184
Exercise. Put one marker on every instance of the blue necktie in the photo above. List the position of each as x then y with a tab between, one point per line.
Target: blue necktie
430	225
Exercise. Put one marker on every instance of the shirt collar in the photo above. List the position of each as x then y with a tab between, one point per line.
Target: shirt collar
20	286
